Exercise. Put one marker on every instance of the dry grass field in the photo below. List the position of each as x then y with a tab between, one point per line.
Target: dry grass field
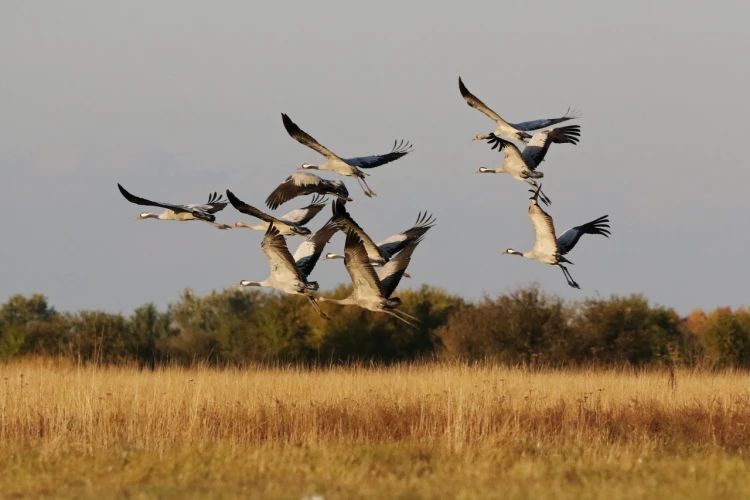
409	431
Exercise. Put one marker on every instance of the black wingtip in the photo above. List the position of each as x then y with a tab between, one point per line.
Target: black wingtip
289	125
126	193
233	199
462	87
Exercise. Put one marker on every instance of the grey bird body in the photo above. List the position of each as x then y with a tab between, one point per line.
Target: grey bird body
384	251
516	131
287	274
522	165
302	184
290	224
349	167
197	211
550	249
370	290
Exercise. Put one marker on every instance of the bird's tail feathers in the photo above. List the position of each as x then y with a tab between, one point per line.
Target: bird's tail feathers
561	258
535	175
393	302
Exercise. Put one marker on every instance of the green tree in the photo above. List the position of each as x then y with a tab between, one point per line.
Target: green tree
149	330
523	326
627	329
17	316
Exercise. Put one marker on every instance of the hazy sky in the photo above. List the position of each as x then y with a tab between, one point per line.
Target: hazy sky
175	99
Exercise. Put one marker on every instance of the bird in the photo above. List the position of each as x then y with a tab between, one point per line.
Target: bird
517	131
537	148
515	165
385	250
289	224
372	291
349	167
522	165
308	252
302	184
204	212
289	274
551	250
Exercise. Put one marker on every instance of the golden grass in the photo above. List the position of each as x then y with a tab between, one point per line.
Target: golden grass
437	431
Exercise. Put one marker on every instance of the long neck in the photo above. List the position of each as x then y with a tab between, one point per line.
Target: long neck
151	216
527	255
334	256
348	301
500	170
257	227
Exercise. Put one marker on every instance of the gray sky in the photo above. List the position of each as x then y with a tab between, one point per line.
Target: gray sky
175	99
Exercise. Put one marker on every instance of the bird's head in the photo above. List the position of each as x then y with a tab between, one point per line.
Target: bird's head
483	170
481	137
510	251
308	166
143	215
330	256
239	224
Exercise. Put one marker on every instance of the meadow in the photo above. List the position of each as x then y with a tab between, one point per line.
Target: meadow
440	430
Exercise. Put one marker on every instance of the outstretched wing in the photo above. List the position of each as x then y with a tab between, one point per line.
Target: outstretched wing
215	203
348	224
357	262
302	216
309	251
538	146
569	238
297	184
570	114
475	103
391	246
279	259
303	137
393	271
249	209
507	147
196	210
545	243
399	149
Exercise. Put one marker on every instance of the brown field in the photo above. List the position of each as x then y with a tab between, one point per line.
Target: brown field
409	431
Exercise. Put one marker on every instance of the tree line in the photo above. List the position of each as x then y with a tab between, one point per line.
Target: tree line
239	327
